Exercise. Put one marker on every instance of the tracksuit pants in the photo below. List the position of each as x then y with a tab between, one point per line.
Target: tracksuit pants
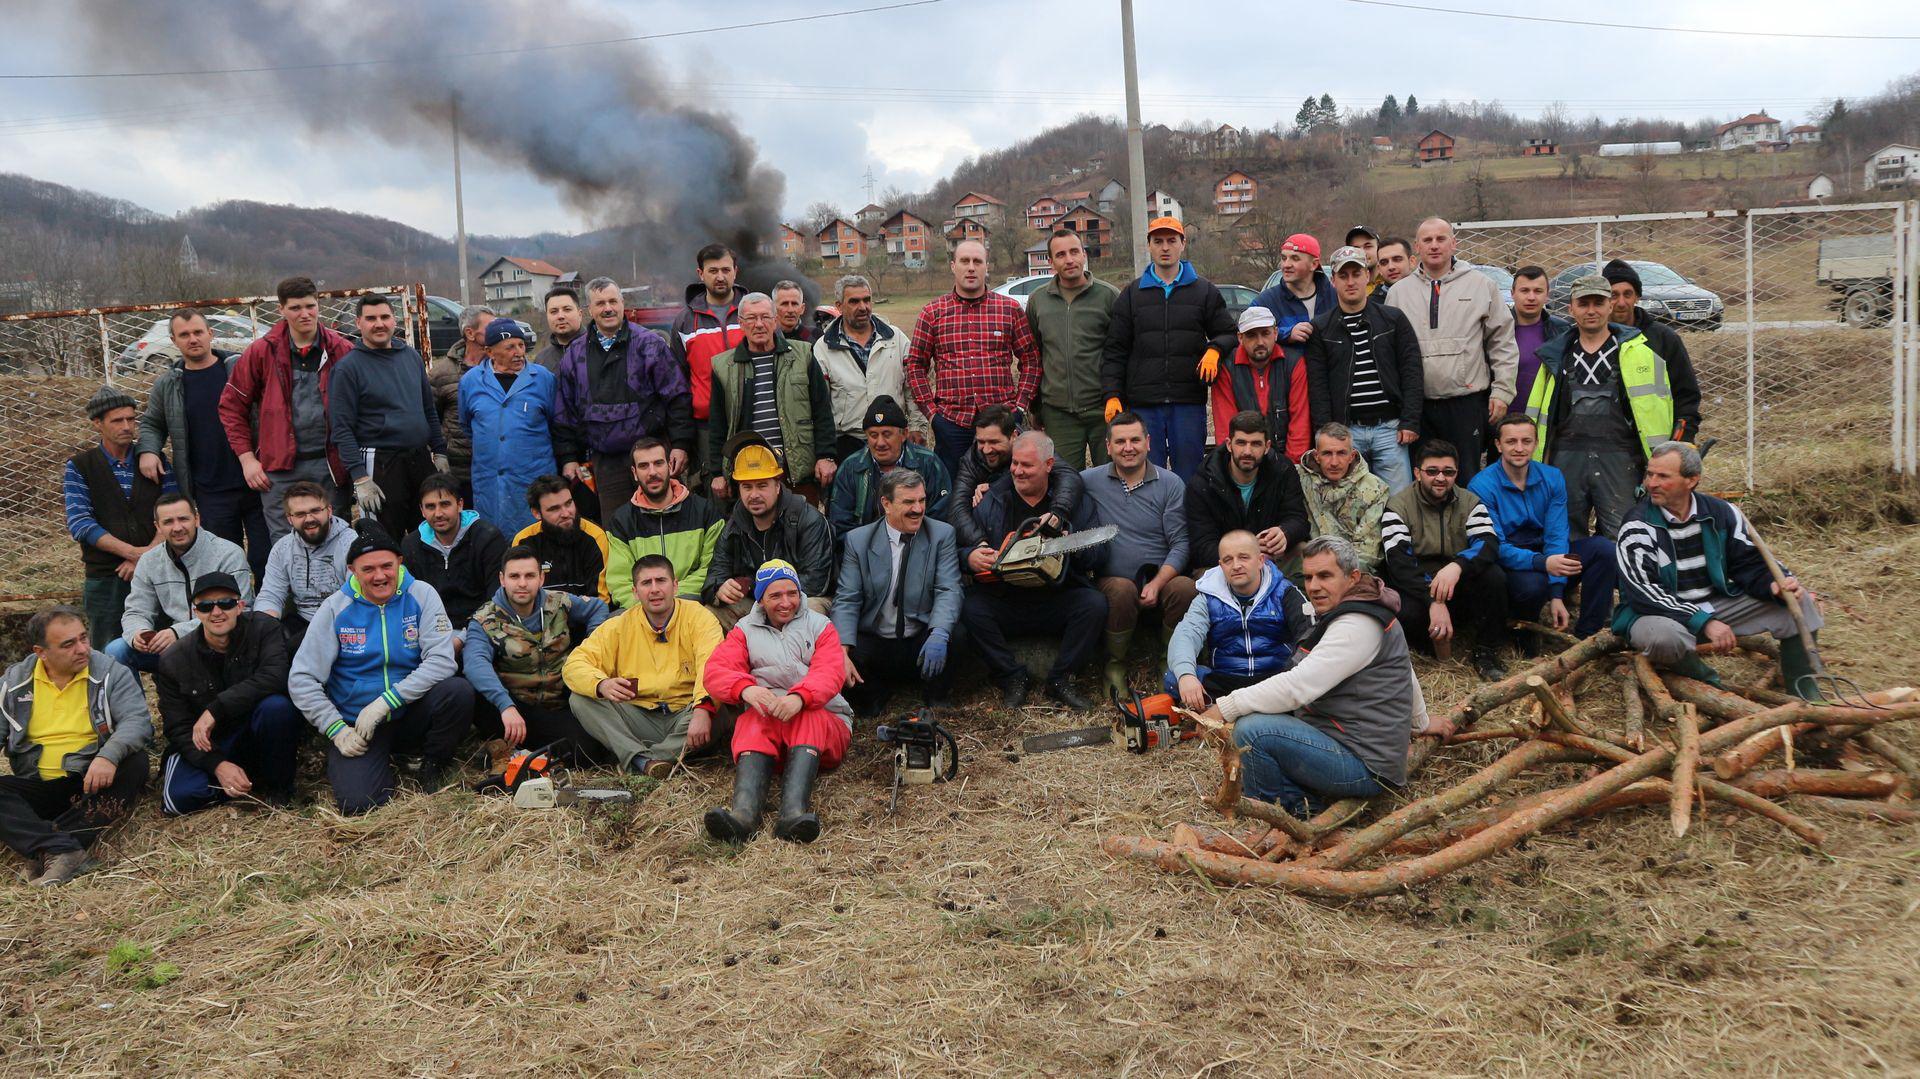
264	748
1529	590
1462	421
757	732
237	517
399	474
430	728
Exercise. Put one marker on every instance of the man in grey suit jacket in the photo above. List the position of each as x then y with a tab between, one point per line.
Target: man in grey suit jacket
897	607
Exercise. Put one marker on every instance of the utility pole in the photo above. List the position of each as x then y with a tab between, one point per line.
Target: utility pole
870	181
459	206
1136	148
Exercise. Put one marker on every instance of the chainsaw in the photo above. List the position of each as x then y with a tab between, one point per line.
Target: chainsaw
536	779
1035	554
923	752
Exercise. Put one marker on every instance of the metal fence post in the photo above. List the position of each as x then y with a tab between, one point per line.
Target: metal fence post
1753	418
1909	288
1899	326
1599	246
106	359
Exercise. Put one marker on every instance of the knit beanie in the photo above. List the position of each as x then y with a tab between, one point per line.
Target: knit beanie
106	399
1618	270
778	569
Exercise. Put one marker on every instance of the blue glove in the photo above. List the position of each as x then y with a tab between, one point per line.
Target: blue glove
933	654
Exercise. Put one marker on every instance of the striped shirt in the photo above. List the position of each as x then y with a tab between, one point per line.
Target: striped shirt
1368	403
1690	560
765	419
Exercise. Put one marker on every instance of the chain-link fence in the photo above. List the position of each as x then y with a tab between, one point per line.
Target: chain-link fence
1800	320
52	361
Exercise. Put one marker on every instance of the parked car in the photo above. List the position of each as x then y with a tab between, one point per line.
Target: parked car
1021	287
154	349
1238	297
1664	293
1859	270
1501	280
443	324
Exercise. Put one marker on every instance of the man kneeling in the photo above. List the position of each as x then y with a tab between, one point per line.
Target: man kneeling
1338	724
782	664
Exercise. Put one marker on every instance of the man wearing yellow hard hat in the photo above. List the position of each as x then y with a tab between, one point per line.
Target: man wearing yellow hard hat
768	521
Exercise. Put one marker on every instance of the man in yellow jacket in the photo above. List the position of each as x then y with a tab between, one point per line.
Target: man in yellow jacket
636	681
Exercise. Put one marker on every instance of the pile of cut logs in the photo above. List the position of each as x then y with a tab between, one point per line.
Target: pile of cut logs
1676	741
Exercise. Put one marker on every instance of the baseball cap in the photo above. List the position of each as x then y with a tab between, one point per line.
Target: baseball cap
212	582
1591	285
1254	318
1302	243
1171	223
502	328
1362	230
1346	256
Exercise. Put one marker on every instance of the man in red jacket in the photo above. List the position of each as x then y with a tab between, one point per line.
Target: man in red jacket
1247	384
275	405
708	325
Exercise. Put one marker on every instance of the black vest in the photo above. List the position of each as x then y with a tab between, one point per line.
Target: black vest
128	520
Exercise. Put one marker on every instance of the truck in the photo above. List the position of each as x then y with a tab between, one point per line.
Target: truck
1859	272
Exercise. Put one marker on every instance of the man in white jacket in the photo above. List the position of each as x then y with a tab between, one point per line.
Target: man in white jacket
159	608
862	358
1336	724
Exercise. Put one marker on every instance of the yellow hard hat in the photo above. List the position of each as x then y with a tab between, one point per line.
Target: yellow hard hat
756	461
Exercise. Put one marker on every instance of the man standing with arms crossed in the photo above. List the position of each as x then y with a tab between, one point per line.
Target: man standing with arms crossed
963	354
1069	316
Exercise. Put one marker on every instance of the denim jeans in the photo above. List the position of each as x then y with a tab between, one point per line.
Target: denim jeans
122	651
1177	435
1288	761
951	442
1380	444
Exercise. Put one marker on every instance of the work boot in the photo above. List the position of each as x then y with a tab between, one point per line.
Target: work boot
432	775
31	869
737	824
1013	690
1061	690
1118	641
63	867
1486	662
797	823
1796	668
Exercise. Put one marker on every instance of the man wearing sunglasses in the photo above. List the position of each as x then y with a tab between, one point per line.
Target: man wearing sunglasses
1442	553
231	731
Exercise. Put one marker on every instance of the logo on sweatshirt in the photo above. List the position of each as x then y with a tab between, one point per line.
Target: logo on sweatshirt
352	639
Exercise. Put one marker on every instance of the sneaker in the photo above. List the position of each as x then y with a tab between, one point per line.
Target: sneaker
63	867
1059	690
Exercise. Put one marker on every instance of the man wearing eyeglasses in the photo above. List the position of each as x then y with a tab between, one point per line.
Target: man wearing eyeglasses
1443	558
231	731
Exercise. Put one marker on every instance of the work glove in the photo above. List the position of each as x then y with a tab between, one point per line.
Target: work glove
933	654
1209	365
440	463
348	742
1114	408
374	714
368	496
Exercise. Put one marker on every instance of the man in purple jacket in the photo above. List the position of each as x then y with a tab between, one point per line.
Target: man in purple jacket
618	384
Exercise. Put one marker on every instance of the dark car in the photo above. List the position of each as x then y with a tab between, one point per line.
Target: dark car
443	325
1238	297
1664	294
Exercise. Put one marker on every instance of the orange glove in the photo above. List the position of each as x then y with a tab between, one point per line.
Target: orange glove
1209	365
1114	408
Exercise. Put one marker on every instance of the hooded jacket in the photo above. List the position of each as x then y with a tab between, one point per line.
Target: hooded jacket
800	534
853	388
257	406
192	679
1394	348
1063	481
1290	310
165	417
513	661
1157	334
162	587
855	499
698	335
1351	506
575	562
512	440
381	402
300	576
463	575
1686	382
116	706
608	400
803	657
1465	332
1214	507
666	664
686	530
356	650
1254	638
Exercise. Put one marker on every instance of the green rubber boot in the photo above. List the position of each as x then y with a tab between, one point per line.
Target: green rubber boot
1796	669
1697	669
1118	642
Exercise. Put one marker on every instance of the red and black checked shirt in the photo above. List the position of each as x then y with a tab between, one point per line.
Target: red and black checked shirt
964	353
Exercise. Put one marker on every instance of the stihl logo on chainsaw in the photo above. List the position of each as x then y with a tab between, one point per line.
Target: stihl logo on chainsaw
1036	554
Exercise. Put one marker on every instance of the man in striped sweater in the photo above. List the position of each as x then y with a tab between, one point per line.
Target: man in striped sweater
1691	572
1442	553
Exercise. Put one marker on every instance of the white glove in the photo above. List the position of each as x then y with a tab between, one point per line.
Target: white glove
349	743
368	496
374	714
440	463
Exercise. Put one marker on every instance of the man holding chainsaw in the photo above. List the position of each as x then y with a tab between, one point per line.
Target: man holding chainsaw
1050	596
517	646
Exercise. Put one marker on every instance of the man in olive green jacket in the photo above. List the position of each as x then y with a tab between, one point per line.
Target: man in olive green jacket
772	387
1069	318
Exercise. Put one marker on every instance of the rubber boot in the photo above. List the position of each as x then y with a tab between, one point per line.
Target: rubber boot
1118	641
737	824
797	823
1697	669
1796	668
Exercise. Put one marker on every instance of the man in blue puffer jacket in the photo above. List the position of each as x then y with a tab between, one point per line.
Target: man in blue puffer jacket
1248	614
376	675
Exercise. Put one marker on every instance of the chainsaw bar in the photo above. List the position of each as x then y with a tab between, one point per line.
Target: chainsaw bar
1085	736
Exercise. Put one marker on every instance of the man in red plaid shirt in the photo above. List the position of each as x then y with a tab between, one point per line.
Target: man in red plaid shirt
965	348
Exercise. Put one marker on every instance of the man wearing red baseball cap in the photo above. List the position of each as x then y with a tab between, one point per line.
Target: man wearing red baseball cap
1302	292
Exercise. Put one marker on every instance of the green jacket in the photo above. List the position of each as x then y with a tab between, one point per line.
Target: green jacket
807	431
1351	508
685	530
1071	334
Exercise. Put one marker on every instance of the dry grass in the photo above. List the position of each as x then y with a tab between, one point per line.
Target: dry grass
980	930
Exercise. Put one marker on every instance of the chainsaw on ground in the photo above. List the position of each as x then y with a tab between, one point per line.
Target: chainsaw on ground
537	780
1145	722
923	752
1035	555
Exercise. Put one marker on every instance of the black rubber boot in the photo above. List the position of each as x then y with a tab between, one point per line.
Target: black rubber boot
737	825
1796	669
798	824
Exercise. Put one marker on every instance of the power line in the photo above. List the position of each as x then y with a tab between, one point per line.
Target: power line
788	21
1633	26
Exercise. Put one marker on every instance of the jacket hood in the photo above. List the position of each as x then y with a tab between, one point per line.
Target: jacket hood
1369	589
337	530
501	601
1214	583
1187	276
467	517
698	291
676	493
351	586
836	338
20	674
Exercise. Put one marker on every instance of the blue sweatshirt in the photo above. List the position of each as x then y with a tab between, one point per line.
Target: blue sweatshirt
1532	523
356	650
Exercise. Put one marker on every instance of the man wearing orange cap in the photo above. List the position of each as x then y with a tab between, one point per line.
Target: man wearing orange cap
1164	344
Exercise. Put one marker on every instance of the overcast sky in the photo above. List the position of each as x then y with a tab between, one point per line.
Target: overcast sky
910	93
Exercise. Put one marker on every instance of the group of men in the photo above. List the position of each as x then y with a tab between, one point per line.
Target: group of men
786	529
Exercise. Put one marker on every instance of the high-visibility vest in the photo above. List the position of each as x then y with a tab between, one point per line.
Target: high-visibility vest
1643	374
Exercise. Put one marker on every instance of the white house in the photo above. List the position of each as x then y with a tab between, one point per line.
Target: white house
1749	130
1820	188
1893	165
1805	133
1161	204
510	280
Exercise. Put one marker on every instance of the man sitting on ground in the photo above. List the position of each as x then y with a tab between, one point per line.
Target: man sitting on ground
573	552
1339	722
306	565
1144	563
157	613
517	645
1528	501
1069	609
376	676
768	522
1443	558
636	681
77	730
231	730
1247	615
856	487
1343	498
783	666
664	517
1241	485
899	597
1690	572
986	461
454	550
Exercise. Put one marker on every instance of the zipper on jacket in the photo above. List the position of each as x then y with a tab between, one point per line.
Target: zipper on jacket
386	659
